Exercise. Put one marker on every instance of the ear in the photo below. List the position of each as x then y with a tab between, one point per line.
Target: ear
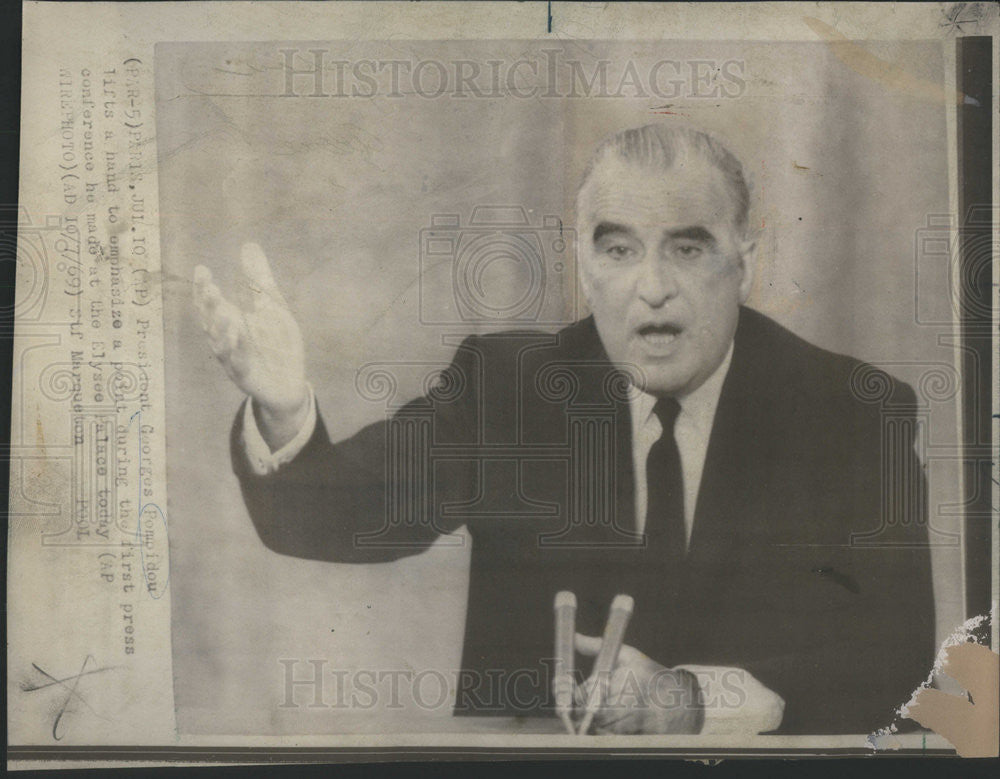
583	276
584	258
747	259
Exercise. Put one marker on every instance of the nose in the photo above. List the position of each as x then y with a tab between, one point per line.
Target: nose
657	282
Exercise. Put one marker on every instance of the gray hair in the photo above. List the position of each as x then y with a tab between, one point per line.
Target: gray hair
659	145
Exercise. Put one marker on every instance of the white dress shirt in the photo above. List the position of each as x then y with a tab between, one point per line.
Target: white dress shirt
727	712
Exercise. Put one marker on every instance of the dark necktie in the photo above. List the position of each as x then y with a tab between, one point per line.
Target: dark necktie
657	572
665	533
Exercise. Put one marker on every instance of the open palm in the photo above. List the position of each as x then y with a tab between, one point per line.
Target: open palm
259	345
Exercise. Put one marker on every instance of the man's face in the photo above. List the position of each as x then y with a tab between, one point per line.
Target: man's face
664	267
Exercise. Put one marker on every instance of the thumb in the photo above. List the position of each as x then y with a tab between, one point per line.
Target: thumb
587	645
257	272
202	276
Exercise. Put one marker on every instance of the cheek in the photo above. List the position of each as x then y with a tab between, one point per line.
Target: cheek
607	288
719	281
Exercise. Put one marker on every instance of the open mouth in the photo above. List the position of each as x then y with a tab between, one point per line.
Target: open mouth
659	334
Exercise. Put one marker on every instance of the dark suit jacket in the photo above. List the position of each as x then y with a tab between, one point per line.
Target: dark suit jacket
808	563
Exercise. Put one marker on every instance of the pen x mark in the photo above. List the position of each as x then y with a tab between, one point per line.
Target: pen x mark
70	685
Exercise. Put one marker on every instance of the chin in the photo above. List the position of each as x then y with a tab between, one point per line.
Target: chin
660	378
659	384
663	388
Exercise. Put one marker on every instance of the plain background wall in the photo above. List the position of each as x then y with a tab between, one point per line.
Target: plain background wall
846	170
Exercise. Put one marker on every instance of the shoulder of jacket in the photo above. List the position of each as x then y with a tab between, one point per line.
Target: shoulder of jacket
794	365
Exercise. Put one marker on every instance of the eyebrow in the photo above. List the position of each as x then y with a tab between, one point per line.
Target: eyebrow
692	233
605	228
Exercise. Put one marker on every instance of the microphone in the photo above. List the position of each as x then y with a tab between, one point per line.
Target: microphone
562	682
611	644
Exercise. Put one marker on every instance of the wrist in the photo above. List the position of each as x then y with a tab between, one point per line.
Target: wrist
279	423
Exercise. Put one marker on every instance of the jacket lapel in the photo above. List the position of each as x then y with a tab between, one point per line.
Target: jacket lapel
736	457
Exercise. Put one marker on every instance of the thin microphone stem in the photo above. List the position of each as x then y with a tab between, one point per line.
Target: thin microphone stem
611	644
565	608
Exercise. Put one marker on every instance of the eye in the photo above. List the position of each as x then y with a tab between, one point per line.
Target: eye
616	244
689	251
619	251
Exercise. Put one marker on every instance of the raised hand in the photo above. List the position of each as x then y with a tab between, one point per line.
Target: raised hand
259	345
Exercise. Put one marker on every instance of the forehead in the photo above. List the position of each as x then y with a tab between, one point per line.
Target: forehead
691	192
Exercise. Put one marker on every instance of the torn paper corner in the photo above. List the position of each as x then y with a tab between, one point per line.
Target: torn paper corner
885	738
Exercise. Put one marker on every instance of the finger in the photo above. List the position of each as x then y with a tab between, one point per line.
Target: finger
612	706
202	277
235	361
587	645
258	274
625	687
224	314
207	298
622	724
629	655
224	330
590	646
583	692
621	706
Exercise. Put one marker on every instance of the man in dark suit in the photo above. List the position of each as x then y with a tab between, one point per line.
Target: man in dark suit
763	507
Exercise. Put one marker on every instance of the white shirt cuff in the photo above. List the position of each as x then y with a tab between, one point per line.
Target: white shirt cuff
735	702
259	455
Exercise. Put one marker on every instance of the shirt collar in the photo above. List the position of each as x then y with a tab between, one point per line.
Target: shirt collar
697	406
